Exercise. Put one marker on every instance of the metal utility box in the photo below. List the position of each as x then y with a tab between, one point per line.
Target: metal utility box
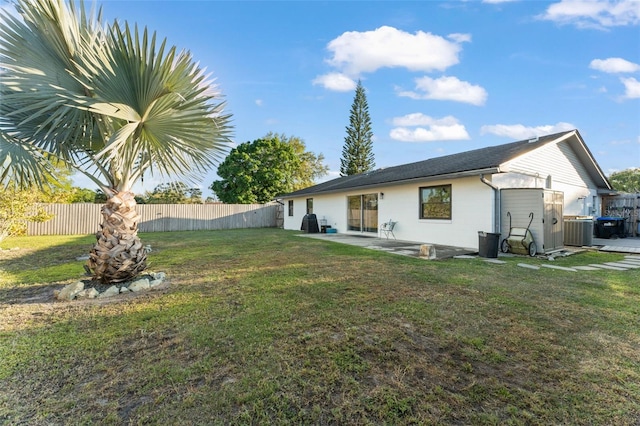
547	206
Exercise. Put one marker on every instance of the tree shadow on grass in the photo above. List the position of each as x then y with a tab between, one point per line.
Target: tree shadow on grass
25	257
33	294
30	275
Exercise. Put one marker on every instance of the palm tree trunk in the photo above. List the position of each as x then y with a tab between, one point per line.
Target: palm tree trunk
118	255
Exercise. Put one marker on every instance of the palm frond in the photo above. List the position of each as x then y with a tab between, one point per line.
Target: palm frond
107	100
38	55
21	164
181	129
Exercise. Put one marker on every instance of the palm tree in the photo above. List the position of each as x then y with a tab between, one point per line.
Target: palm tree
108	102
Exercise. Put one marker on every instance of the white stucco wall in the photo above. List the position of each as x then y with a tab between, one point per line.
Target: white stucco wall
472	211
331	207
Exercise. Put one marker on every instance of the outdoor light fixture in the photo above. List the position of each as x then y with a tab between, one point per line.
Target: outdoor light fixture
382	195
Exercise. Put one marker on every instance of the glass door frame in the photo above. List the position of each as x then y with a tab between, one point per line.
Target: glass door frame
362	213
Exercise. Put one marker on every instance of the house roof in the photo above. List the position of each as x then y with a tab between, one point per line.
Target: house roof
469	163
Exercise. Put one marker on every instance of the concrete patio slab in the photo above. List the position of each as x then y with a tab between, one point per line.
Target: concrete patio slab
631	246
404	248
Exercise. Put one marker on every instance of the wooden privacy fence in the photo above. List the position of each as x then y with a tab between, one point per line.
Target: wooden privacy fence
81	219
626	206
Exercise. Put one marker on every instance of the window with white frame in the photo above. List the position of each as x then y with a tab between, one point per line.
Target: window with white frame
435	202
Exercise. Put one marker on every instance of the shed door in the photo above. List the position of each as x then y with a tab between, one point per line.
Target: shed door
553	223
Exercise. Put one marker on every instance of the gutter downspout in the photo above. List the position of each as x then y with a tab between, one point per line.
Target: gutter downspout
496	204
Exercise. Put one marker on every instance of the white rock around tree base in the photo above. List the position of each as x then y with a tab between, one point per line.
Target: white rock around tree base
77	291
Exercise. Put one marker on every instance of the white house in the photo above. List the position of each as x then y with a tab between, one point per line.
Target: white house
448	200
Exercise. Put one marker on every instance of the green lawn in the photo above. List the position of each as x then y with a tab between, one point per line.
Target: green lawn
266	327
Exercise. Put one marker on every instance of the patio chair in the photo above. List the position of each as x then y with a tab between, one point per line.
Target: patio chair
387	229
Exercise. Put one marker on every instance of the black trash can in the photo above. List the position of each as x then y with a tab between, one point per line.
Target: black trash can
488	244
610	227
310	224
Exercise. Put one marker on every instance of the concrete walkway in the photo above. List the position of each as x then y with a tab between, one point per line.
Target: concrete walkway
412	248
404	248
620	245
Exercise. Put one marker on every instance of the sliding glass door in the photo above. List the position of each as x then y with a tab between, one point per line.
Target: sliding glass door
362	213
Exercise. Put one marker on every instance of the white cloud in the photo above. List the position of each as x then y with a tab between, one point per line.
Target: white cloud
632	88
418	127
460	37
614	65
497	1
336	81
594	13
420	119
259	102
521	132
447	89
387	47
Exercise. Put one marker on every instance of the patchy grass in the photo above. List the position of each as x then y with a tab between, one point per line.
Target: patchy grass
263	326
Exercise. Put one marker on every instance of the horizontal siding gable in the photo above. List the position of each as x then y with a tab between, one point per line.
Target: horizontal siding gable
556	159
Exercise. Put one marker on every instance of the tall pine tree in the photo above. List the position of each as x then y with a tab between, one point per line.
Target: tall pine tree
357	152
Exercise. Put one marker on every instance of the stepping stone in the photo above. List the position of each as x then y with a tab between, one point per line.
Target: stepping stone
406	252
632	257
586	268
464	256
524	265
561	268
496	261
623	264
612	268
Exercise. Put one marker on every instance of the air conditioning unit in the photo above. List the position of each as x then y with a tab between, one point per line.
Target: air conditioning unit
578	232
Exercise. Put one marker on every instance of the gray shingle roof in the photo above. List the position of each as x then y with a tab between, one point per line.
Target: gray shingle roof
468	161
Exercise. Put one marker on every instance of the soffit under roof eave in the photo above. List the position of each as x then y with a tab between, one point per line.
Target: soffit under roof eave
610	192
456	175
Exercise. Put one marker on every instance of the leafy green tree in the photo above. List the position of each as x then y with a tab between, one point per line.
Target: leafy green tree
258	171
59	188
174	193
626	180
311	166
109	102
17	209
82	195
357	152
65	194
255	172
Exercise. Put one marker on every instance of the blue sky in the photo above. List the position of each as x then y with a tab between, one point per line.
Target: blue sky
441	77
